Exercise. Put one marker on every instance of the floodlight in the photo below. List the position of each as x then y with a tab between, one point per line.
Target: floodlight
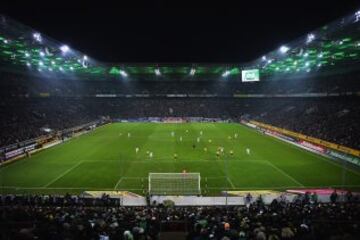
64	48
6	41
310	38
263	58
307	64
28	64
320	55
123	73
50	69
42	54
269	61
41	63
27	54
306	54
284	49
72	68
85	57
61	69
192	71
37	37
357	16
157	72
308	70
53	62
226	73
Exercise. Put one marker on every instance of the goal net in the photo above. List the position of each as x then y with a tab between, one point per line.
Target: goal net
174	183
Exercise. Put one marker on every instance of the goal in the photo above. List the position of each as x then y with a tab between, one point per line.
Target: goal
174	183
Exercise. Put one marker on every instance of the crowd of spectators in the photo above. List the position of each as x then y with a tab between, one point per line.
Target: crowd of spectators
28	106
69	217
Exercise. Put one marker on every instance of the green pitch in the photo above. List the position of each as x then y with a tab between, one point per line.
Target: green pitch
106	159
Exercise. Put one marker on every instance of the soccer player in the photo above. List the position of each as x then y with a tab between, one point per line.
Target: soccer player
205	149
210	140
194	146
137	150
151	154
201	132
175	156
231	152
236	135
129	135
198	139
172	133
248	151
180	138
217	154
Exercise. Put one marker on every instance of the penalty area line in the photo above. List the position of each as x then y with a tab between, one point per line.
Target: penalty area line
118	182
285	174
63	174
231	183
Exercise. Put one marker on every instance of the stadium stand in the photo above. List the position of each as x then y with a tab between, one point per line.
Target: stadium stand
71	217
330	113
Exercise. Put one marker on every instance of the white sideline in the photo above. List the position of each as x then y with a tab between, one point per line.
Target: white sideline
63	174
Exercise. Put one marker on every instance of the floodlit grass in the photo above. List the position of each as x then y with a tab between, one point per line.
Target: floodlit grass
105	159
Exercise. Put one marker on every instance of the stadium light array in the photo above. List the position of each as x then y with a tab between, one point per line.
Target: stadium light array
226	73
42	54
357	16
192	71
310	38
64	48
85	57
27	54
71	68
37	37
123	73
41	63
157	72
284	49
263	58
28	64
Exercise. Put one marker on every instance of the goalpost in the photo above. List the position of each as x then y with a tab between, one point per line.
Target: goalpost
174	184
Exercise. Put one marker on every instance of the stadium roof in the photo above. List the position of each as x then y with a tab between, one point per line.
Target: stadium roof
331	48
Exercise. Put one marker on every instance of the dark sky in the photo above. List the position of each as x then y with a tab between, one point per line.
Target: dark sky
183	31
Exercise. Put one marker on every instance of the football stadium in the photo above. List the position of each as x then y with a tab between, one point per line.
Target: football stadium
261	149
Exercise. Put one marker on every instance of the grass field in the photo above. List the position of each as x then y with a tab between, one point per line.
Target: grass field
106	159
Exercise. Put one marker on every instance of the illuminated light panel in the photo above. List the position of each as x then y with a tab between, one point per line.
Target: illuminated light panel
37	37
64	48
192	71
157	72
310	38
284	49
123	73
226	73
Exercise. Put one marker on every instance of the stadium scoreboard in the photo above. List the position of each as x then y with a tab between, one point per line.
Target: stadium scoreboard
250	75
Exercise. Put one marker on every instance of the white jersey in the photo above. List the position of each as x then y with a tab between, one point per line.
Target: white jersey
248	151
198	139
150	154
180	139
129	134
172	134
137	150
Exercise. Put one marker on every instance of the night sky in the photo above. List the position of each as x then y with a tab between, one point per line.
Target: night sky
185	31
